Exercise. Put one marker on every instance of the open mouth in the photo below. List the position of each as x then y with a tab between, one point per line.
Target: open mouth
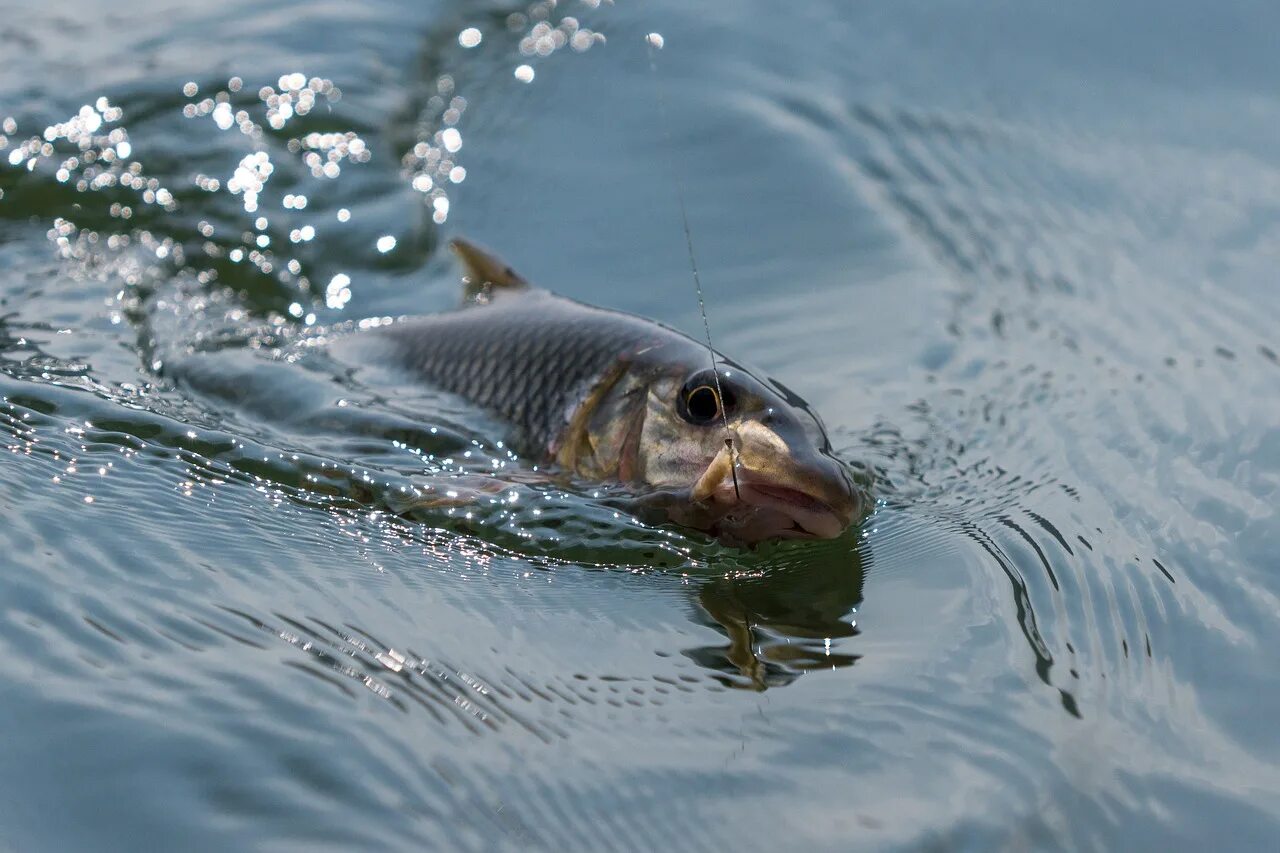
791	497
754	507
807	516
759	511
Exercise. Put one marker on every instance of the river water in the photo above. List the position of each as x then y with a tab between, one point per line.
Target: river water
1021	257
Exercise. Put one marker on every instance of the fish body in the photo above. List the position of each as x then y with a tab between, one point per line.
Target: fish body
610	396
530	357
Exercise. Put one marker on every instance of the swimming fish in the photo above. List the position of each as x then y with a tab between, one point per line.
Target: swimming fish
613	397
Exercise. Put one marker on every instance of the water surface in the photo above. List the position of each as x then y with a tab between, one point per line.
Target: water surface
1022	260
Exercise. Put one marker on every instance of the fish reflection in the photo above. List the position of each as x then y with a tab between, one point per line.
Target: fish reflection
785	616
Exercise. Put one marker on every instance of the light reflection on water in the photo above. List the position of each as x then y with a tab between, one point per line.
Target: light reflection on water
1053	632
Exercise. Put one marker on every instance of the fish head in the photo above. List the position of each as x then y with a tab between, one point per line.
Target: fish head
747	460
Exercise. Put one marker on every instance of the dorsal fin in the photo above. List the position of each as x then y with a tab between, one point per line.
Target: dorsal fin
483	270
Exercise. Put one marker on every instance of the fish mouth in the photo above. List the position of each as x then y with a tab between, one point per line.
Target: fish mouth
752	510
810	516
776	500
787	513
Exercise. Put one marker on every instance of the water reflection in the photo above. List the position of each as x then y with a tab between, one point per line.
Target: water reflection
792	614
785	617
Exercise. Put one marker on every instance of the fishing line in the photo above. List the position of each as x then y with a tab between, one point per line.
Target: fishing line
655	43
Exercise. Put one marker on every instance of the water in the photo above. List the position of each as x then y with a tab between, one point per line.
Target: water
1021	259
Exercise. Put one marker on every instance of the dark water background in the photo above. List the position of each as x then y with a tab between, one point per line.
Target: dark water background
1022	257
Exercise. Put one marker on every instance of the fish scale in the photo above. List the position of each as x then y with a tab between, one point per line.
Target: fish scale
529	357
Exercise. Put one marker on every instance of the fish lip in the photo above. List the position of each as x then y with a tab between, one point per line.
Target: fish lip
795	497
811	517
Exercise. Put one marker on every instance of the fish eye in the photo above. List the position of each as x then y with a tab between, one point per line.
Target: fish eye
703	404
700	402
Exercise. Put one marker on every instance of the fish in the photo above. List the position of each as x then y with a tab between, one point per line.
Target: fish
611	397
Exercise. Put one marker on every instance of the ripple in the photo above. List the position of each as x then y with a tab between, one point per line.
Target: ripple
1049	336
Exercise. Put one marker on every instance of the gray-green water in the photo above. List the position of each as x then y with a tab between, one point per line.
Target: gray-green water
1021	257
